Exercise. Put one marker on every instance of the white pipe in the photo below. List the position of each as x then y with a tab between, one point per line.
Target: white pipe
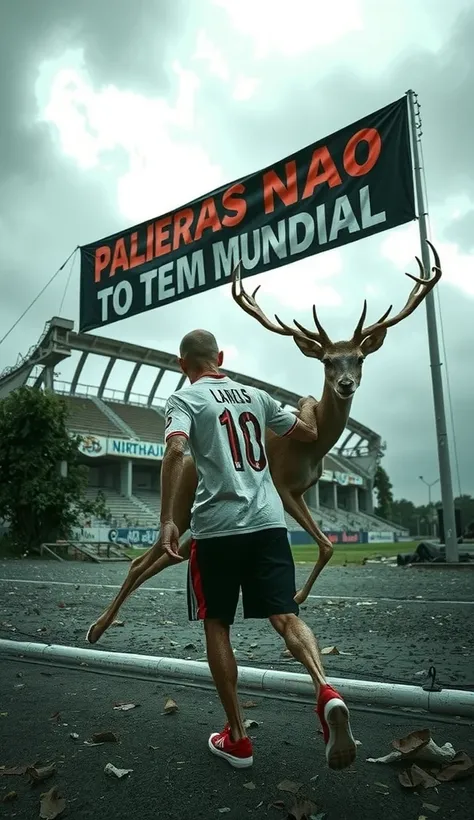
375	693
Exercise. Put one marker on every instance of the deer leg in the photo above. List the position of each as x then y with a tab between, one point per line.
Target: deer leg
153	561
296	507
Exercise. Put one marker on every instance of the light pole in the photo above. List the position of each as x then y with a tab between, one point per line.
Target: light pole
430	484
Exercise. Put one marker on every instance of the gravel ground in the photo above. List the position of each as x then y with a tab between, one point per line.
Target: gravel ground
175	777
396	623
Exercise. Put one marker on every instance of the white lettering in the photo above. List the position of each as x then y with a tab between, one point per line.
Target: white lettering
343	217
165	282
368	218
104	296
186	273
321	222
125	288
225	260
148	278
247	262
276	243
307	222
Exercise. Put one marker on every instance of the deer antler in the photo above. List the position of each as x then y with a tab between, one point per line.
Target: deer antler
249	304
422	287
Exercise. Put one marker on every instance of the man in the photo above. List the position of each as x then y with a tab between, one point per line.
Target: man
240	535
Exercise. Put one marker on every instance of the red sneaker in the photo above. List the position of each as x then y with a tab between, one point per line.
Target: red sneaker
237	753
334	716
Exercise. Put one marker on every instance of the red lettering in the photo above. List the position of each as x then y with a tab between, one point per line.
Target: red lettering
150	235
272	184
162	234
372	137
135	257
181	227
120	259
235	204
322	169
101	260
208	218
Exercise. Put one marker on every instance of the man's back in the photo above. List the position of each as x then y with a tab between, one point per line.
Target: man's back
225	422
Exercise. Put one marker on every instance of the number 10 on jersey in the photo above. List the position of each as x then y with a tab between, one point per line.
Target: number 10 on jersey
247	422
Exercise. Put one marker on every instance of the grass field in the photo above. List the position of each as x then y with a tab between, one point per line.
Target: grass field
343	553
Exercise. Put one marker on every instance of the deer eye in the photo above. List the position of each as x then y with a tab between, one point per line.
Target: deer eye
326	360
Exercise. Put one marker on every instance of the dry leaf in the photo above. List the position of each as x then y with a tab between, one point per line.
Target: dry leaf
9	797
302	810
289	786
251	724
74	736
117	623
277	804
248	704
412	742
414	777
249	785
460	766
104	737
112	770
254	646
52	804
224	810
170	707
330	650
39	773
382	785
14	770
430	807
125	707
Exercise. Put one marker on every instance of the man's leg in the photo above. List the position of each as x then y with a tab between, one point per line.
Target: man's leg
269	592
213	594
223	666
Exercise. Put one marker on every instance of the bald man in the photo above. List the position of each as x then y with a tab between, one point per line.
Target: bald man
240	538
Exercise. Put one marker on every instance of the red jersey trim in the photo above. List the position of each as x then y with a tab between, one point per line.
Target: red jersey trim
176	433
211	376
291	428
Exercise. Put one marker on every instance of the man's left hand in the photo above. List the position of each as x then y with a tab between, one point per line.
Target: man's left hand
170	540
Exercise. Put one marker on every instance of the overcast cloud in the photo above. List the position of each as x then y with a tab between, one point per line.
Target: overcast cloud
113	112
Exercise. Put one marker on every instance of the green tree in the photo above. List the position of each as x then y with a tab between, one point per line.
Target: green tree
42	483
383	490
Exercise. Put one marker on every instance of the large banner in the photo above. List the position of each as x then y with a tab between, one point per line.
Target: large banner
352	184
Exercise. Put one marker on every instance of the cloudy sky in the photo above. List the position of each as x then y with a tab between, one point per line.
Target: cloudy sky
113	113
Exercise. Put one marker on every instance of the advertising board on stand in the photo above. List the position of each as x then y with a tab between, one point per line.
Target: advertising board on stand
95	446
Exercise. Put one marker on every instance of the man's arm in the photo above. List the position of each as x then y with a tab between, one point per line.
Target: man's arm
171	473
284	423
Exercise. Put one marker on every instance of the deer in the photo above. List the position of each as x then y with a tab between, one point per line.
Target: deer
295	466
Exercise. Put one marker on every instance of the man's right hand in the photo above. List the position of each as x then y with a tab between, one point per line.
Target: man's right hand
169	536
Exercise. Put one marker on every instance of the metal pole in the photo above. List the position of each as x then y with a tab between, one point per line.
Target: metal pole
447	499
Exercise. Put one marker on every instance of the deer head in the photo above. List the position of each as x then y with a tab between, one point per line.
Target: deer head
342	360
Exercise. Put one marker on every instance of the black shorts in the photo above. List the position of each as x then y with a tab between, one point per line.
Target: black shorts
260	563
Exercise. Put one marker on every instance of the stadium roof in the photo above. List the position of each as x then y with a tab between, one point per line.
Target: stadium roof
59	340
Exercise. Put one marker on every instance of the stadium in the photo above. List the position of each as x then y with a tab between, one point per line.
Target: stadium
122	441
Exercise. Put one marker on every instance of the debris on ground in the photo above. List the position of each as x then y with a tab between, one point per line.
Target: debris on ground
251	724
249	785
191	647
223	810
51	804
441	764
289	786
117	623
248	704
74	736
112	770
125	707
302	810
330	650
14	770
104	737
9	796
170	707
37	774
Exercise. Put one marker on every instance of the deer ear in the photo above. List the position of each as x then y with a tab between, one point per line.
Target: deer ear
374	342
309	347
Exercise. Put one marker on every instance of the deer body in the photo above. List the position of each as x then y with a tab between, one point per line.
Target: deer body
295	466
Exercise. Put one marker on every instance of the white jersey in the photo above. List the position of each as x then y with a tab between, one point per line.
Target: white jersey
225	422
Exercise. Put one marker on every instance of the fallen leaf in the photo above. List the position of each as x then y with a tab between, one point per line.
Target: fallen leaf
170	707
277	804
125	707
254	646
224	810
461	766
39	773
74	736
112	770
415	776
174	643
154	748
117	623
249	785
302	810
382	785
9	797
289	786
248	704
105	737
251	724
412	742
430	807
330	650
52	804
3	714
56	716
14	770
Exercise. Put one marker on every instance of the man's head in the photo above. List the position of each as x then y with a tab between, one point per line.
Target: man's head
199	353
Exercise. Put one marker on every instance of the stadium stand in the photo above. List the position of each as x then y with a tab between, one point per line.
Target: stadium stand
85	417
147	423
